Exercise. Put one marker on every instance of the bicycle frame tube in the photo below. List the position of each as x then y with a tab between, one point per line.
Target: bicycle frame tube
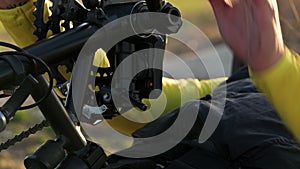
56	114
52	51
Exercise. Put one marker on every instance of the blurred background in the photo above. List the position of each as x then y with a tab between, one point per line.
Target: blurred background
197	12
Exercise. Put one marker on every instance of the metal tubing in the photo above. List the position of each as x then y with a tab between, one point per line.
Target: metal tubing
55	113
52	51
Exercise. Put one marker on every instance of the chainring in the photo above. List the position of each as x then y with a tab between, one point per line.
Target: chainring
64	13
41	27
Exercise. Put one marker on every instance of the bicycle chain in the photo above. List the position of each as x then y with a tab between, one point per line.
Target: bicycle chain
24	134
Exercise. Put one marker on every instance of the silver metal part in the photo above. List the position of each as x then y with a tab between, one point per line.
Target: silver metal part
2	121
89	111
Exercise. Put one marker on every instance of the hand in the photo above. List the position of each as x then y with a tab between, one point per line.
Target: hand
252	29
8	4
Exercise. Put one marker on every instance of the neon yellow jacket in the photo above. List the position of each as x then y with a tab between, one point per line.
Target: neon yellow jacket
19	24
281	83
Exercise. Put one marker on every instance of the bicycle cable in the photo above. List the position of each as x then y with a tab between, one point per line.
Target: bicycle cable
22	52
3	96
38	127
11	46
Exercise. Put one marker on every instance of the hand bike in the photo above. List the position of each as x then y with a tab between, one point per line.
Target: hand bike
22	72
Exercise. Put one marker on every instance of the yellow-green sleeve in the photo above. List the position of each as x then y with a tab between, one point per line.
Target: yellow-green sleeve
175	94
18	22
281	84
178	92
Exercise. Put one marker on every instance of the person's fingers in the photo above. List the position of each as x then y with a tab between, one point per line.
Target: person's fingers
219	5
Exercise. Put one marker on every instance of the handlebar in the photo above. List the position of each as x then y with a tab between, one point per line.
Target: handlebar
52	51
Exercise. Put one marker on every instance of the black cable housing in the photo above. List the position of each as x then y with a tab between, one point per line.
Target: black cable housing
21	52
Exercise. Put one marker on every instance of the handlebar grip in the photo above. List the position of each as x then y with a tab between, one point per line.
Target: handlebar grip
6	75
9	109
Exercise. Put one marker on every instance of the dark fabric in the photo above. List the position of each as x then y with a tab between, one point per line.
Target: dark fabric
276	154
199	158
241	73
249	136
117	162
248	121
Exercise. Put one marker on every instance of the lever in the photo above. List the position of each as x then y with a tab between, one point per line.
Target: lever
8	110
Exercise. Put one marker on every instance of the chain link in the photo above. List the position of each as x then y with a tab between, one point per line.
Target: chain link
20	137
